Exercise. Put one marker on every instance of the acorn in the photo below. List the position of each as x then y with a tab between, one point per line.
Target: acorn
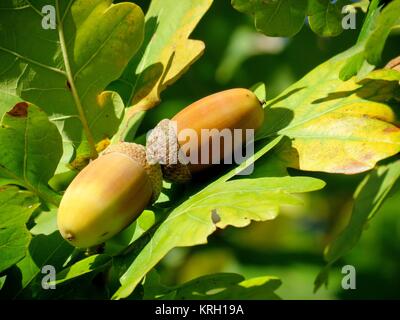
108	195
233	110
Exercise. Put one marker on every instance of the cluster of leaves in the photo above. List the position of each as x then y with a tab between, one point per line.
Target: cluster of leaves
285	18
67	93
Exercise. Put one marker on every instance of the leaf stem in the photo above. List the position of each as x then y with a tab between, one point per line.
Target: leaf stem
78	103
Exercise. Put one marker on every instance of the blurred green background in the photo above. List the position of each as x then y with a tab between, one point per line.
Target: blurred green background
290	247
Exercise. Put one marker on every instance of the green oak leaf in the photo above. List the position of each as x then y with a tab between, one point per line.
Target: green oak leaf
285	18
30	149
15	209
325	17
336	126
387	20
65	71
14	241
374	33
235	203
166	54
266	146
368	199
129	235
45	223
93	263
260	90
356	61
219	286
270	166
43	250
122	262
281	18
113	247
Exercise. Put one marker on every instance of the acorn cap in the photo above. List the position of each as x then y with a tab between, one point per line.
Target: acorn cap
163	147
137	153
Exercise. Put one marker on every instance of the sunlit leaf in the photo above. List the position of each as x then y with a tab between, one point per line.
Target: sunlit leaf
45	223
233	203
65	70
387	20
166	54
371	41
336	126
260	90
93	263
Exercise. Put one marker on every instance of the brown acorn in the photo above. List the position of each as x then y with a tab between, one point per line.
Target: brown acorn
232	109
108	195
